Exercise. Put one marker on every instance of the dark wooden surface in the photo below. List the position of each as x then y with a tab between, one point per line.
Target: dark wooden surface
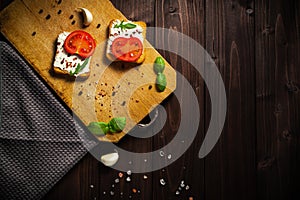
256	46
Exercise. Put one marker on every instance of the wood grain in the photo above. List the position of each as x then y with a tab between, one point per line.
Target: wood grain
256	46
176	15
230	167
277	72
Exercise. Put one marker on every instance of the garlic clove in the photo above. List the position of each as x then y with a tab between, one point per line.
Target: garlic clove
110	159
87	16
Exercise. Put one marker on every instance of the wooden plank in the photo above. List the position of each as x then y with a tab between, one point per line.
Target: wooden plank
277	96
33	26
186	17
230	167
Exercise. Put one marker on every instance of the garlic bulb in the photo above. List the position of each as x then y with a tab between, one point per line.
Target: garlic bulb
110	159
87	16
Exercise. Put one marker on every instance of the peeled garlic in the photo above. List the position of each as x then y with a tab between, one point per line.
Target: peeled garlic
87	16
110	159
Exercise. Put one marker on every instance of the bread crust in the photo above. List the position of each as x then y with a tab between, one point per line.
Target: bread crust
58	70
142	57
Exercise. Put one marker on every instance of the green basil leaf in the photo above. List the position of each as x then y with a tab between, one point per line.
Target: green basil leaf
125	26
161	82
98	128
101	128
104	127
117	124
159	65
129	26
80	67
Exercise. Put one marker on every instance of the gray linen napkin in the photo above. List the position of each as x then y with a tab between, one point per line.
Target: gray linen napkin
39	139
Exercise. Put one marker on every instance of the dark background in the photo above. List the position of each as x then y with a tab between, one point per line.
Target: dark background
256	46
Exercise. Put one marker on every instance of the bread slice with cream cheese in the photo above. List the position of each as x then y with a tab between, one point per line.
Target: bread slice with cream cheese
139	32
65	63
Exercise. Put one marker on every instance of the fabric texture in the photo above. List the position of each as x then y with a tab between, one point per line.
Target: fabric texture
39	139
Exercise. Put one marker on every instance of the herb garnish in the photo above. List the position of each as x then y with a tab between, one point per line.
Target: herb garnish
159	65
161	80
101	128
80	67
125	26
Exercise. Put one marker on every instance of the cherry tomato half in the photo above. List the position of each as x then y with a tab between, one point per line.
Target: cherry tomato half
127	49
81	43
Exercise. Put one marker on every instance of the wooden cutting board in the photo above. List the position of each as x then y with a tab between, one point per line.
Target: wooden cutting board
113	89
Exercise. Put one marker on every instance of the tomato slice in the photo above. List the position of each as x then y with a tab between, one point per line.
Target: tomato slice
81	43
127	49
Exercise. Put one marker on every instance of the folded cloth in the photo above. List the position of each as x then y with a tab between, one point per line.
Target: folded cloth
39	138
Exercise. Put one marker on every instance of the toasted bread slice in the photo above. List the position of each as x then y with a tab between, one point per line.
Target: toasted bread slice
64	63
141	35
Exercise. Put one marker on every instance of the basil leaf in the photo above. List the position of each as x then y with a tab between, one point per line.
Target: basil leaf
80	67
98	128
104	127
129	26
119	25
161	82
125	26
159	65
117	124
101	128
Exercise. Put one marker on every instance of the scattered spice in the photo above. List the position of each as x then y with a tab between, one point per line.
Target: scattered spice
162	181
161	153
182	184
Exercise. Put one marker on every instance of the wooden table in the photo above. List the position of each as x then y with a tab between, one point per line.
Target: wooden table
256	46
